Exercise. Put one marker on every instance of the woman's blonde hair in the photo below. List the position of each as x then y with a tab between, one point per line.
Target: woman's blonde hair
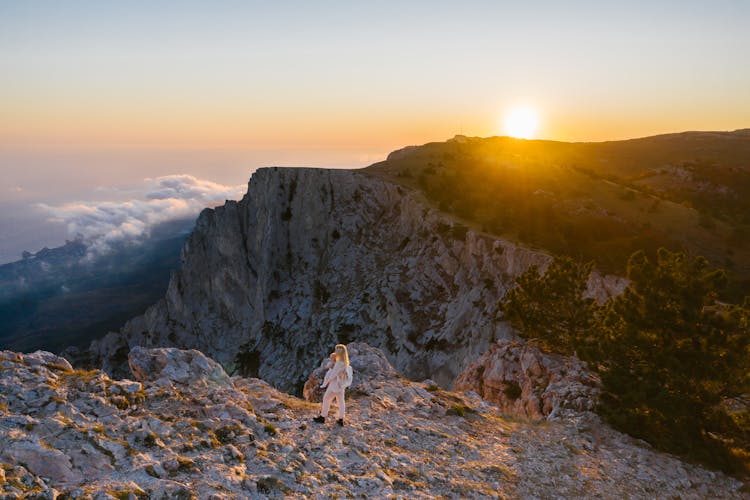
342	354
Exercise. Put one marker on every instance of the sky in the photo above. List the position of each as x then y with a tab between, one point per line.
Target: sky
97	96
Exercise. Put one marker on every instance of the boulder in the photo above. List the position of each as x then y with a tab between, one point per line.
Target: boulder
525	381
48	360
185	367
41	460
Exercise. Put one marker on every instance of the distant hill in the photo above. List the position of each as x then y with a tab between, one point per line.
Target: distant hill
595	201
60	297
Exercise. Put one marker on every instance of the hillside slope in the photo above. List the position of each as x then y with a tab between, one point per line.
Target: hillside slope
595	201
186	430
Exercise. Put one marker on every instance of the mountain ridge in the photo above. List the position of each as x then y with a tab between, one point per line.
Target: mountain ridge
312	257
594	201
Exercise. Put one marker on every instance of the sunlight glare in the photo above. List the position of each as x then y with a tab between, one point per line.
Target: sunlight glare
521	123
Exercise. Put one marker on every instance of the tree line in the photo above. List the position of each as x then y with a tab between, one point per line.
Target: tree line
673	359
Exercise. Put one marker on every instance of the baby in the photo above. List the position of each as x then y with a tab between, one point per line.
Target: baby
329	366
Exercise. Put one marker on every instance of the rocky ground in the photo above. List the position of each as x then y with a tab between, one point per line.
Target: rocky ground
184	429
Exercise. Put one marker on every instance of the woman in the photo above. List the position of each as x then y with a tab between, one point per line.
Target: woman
337	379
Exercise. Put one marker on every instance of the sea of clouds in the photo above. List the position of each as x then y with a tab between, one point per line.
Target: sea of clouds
104	224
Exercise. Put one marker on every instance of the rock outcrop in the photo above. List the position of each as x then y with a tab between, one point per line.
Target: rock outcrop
170	366
310	258
80	434
524	381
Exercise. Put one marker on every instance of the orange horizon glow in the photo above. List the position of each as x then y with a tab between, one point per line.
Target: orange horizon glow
358	125
321	136
349	75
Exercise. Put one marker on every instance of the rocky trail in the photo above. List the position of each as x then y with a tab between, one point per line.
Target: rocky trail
185	429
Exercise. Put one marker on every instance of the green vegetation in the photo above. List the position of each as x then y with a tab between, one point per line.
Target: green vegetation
669	354
127	494
673	349
551	307
459	410
270	429
269	485
247	362
597	202
151	440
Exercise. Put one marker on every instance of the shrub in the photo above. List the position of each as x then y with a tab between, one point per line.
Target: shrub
270	429
459	410
247	361
228	433
320	292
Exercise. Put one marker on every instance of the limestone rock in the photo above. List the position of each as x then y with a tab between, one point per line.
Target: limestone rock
527	382
79	434
41	460
310	258
175	365
44	358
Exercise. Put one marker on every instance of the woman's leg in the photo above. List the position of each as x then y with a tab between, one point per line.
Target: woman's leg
342	404
327	400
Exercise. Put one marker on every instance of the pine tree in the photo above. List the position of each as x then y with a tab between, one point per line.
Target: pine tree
550	307
671	353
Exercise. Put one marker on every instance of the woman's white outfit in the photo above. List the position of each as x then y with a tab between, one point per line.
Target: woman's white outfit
334	380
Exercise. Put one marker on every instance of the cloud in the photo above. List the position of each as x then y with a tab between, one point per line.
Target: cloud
103	224
187	187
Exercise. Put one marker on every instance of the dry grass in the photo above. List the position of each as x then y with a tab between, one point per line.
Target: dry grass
58	367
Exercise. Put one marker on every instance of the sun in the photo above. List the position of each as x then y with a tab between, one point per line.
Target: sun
521	122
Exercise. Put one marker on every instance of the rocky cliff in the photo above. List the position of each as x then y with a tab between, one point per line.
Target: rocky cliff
529	383
184	429
312	257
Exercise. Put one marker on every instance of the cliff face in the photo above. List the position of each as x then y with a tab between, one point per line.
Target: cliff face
529	383
312	257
